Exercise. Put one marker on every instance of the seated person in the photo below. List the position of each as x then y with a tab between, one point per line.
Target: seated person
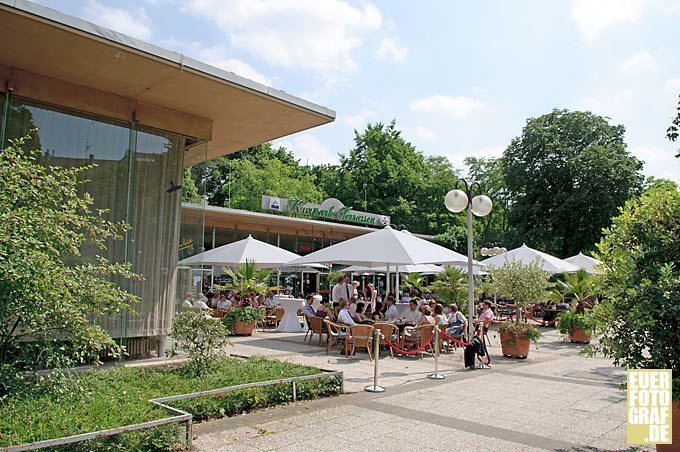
486	316
223	303
308	309
426	318
457	322
412	315
359	316
352	306
377	314
324	310
344	317
188	302
199	305
439	317
391	312
475	347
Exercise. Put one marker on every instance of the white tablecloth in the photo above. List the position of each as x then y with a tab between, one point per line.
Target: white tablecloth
290	322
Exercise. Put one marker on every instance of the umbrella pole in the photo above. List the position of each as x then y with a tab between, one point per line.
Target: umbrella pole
387	282
396	284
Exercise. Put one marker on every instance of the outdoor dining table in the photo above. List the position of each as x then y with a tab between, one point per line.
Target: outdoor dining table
289	322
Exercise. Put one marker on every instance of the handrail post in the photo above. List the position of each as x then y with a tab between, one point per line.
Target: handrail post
436	375
376	357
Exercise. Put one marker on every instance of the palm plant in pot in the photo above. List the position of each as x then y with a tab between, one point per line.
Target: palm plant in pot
245	279
412	281
450	285
523	284
576	322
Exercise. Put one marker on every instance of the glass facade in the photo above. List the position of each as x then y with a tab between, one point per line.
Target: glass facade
133	168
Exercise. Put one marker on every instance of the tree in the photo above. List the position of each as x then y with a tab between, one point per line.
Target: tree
48	290
450	285
639	317
567	175
239	180
673	130
189	189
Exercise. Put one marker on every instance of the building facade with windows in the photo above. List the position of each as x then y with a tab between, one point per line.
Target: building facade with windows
141	114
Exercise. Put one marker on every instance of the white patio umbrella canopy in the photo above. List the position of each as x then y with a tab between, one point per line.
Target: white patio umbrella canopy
527	255
586	263
248	249
383	247
429	269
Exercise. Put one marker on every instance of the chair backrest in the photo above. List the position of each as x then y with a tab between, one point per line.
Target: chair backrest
278	312
426	331
333	328
388	330
316	324
361	334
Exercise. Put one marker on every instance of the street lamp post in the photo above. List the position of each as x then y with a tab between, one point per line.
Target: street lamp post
456	201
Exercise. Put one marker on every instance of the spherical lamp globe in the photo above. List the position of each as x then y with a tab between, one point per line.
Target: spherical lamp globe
481	205
456	201
484	251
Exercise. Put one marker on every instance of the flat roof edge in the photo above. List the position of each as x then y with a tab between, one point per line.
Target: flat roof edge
120	39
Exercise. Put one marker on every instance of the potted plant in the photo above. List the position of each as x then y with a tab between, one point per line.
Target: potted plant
639	313
579	326
245	279
523	284
450	286
241	321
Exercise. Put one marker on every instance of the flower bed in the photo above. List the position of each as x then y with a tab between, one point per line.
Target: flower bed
119	397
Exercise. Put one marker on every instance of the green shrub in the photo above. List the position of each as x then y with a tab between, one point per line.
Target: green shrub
246	315
202	337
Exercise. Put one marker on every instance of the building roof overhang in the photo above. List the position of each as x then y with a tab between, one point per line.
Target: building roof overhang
230	111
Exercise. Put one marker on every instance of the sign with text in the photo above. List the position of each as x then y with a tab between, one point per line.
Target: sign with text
649	406
330	209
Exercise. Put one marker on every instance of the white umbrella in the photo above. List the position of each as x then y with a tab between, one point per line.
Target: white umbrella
249	249
430	269
384	247
587	263
527	255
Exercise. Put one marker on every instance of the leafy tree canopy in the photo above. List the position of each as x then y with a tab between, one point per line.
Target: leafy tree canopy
567	175
640	314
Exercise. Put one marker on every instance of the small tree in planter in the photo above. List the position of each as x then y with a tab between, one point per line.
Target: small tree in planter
450	285
639	316
579	326
242	321
523	284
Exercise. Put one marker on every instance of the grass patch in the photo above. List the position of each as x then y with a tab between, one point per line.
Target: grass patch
119	397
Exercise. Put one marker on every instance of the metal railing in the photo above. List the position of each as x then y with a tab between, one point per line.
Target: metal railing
179	417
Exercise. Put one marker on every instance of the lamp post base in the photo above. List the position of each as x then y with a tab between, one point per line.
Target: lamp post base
436	376
374	388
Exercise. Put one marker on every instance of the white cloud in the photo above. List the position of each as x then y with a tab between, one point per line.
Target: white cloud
672	84
425	134
639	62
457	159
659	161
455	107
312	34
309	150
595	16
615	105
359	120
390	50
134	24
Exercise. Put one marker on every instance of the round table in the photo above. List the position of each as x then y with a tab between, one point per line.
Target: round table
289	322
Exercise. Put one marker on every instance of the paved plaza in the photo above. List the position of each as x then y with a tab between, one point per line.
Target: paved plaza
555	400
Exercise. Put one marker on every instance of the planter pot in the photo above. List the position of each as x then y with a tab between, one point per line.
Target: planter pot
676	432
517	348
579	336
243	328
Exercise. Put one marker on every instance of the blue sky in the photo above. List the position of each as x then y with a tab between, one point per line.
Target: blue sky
460	78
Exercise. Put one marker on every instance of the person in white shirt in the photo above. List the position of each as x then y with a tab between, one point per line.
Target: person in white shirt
355	289
344	317
412	315
339	291
187	304
391	313
352	306
200	304
223	303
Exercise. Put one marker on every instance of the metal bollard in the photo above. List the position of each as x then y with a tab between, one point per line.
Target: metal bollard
294	391
436	375
376	356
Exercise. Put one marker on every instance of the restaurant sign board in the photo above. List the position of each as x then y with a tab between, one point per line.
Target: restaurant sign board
330	209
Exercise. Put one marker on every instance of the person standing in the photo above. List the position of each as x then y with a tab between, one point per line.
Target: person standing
339	291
